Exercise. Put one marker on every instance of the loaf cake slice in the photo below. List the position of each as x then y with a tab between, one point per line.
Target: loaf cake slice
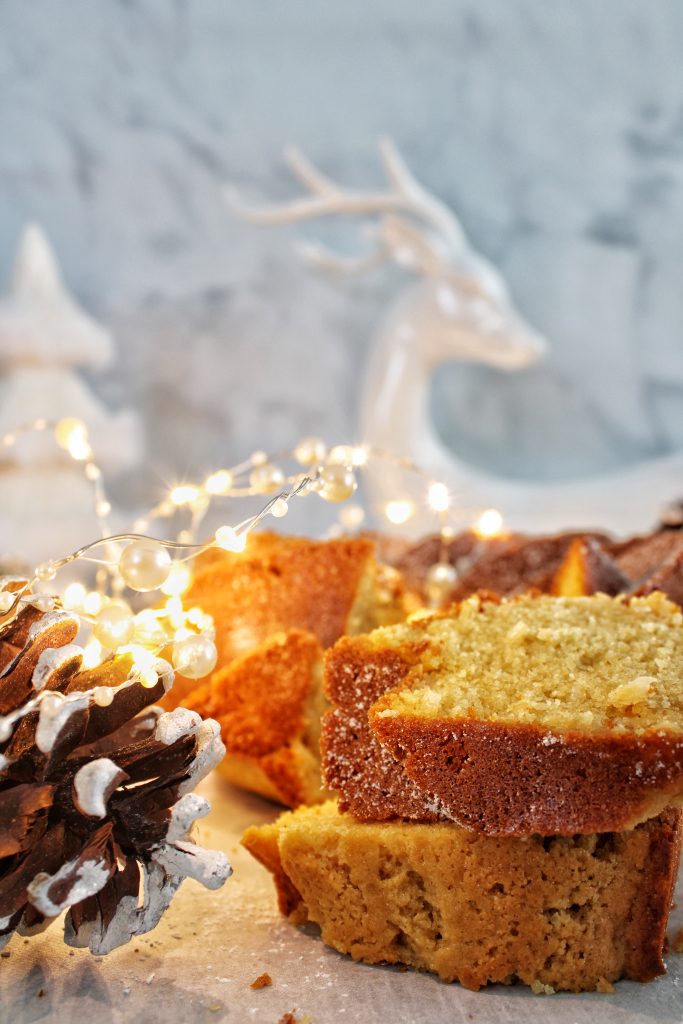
269	704
557	914
275	607
538	714
328	588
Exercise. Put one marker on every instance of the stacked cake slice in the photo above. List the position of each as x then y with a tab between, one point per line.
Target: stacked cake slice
507	774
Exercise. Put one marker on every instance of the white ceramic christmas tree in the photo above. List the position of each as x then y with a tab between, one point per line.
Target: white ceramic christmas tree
46	504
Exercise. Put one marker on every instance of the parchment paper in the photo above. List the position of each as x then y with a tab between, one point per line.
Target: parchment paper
199	963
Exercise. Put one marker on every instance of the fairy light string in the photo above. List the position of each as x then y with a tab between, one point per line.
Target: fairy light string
168	637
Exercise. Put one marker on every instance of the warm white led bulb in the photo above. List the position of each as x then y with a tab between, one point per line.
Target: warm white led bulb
489	524
184	494
438	497
114	626
72	435
399	511
219	482
178	580
229	540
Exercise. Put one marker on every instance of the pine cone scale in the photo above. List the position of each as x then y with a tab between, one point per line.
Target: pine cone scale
22	811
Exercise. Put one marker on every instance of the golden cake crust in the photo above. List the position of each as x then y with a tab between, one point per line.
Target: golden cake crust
557	914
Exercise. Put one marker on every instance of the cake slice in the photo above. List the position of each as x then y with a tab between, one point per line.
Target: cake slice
538	714
275	606
269	705
557	914
589	569
327	588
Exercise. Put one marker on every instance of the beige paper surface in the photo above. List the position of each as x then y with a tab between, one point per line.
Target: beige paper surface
199	963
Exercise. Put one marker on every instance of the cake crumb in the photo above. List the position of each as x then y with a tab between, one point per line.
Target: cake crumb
604	985
263	981
677	942
540	989
628	694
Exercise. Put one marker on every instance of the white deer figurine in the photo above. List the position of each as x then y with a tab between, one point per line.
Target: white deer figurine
458	309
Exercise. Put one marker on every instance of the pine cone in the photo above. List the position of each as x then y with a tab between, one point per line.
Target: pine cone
96	796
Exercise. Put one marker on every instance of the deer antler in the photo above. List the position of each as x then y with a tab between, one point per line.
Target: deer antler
417	198
404	197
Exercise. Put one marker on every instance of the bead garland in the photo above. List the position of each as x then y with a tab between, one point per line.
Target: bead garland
146	565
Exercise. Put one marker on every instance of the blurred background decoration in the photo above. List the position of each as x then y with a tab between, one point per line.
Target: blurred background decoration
553	130
52	426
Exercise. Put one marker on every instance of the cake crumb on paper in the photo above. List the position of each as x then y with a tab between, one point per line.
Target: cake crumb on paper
677	941
539	989
263	981
604	985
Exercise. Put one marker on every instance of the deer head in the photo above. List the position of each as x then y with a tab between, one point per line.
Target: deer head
461	307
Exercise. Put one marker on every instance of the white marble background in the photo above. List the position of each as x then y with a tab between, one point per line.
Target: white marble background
555	129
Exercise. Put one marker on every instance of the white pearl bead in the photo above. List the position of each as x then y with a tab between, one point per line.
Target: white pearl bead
351	517
310	451
194	657
148	678
46	571
341	455
114	626
103	696
145	565
439	582
336	483
279	508
266	479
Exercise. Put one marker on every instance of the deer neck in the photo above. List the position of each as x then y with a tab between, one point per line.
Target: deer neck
394	412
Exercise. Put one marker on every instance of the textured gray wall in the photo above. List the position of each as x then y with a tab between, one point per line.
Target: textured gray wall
555	129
